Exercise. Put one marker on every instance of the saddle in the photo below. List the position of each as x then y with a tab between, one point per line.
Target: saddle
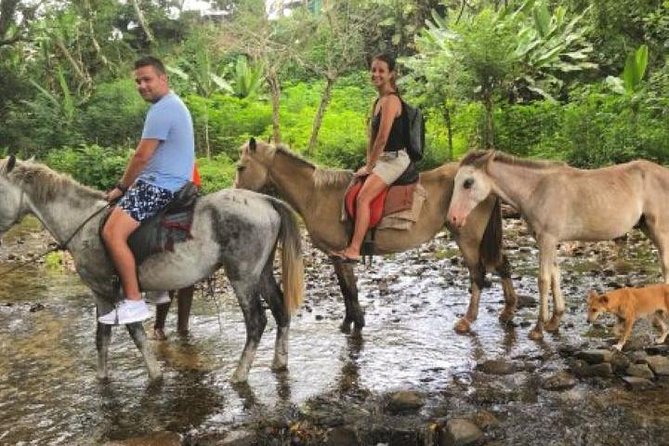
394	199
169	226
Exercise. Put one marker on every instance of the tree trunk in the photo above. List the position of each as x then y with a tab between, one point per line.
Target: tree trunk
207	147
275	89
449	130
142	21
318	119
489	133
78	69
91	30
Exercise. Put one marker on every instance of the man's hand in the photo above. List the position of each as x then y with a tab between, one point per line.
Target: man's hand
113	194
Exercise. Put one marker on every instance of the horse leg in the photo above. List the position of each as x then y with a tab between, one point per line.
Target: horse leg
661	242
184	302
138	335
102	340
255	321
470	252
510	296
558	300
274	298
349	289
547	251
161	316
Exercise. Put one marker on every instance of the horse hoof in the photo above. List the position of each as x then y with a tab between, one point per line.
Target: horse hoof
462	327
279	365
238	378
506	316
159	334
536	334
552	328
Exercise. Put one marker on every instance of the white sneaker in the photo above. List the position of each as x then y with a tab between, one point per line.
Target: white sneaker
127	312
158	297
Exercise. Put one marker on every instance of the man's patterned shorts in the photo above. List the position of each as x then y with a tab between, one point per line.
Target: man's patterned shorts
144	200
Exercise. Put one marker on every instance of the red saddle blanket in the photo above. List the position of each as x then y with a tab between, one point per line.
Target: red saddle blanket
391	200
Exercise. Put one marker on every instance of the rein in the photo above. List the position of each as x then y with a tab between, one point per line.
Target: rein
60	247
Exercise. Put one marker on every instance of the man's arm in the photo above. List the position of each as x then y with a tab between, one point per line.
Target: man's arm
143	154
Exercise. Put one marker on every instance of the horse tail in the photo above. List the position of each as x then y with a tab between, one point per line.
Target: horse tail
491	243
292	267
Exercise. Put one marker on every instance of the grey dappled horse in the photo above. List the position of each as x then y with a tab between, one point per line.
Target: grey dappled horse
236	229
562	203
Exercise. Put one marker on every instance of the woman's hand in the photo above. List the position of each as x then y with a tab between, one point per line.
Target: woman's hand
363	171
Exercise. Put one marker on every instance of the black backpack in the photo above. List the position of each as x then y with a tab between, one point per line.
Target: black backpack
415	131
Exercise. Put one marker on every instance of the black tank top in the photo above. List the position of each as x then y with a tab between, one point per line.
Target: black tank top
397	137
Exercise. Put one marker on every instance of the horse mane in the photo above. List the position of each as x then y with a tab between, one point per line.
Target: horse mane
45	183
476	158
323	178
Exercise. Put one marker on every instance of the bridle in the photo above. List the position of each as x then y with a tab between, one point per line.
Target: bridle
61	246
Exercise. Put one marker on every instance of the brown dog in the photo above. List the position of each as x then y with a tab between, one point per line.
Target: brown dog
630	304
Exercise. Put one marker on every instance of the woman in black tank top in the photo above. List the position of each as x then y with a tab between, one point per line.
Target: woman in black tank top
387	158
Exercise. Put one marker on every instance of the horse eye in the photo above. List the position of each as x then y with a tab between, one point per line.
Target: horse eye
469	182
240	168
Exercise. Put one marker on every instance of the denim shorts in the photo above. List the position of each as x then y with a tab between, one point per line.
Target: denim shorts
144	200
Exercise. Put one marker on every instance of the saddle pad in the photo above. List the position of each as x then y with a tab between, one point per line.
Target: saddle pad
160	232
392	200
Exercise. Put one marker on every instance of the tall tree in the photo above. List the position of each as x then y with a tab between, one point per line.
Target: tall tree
332	45
267	43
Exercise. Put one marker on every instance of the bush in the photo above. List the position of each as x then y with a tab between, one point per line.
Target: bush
231	121
91	165
114	115
216	173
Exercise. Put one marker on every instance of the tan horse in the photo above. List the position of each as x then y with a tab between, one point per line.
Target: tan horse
317	195
561	203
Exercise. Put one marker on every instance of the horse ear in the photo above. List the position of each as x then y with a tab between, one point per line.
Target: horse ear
11	163
252	144
489	157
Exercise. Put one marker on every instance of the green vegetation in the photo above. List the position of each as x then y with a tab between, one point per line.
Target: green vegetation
580	80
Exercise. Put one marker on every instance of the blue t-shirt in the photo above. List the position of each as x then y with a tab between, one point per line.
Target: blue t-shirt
171	165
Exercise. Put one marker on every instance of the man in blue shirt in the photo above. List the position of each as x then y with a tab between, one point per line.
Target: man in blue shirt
162	164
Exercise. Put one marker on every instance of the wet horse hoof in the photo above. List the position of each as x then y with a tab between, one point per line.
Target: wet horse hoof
159	334
507	316
238	378
279	365
553	325
463	326
536	334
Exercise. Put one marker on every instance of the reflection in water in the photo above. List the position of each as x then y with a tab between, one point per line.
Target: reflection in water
348	381
49	394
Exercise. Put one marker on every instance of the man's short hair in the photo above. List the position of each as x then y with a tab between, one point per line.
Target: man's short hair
150	61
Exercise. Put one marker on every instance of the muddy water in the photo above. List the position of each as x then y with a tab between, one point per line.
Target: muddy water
49	394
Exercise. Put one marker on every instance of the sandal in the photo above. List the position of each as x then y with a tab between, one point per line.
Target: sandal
341	258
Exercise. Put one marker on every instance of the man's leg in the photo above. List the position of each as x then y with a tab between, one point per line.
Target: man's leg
115	235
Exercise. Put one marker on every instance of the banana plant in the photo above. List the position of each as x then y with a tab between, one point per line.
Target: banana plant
635	68
248	79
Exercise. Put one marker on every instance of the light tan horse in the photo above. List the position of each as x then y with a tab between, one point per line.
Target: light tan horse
562	203
317	195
